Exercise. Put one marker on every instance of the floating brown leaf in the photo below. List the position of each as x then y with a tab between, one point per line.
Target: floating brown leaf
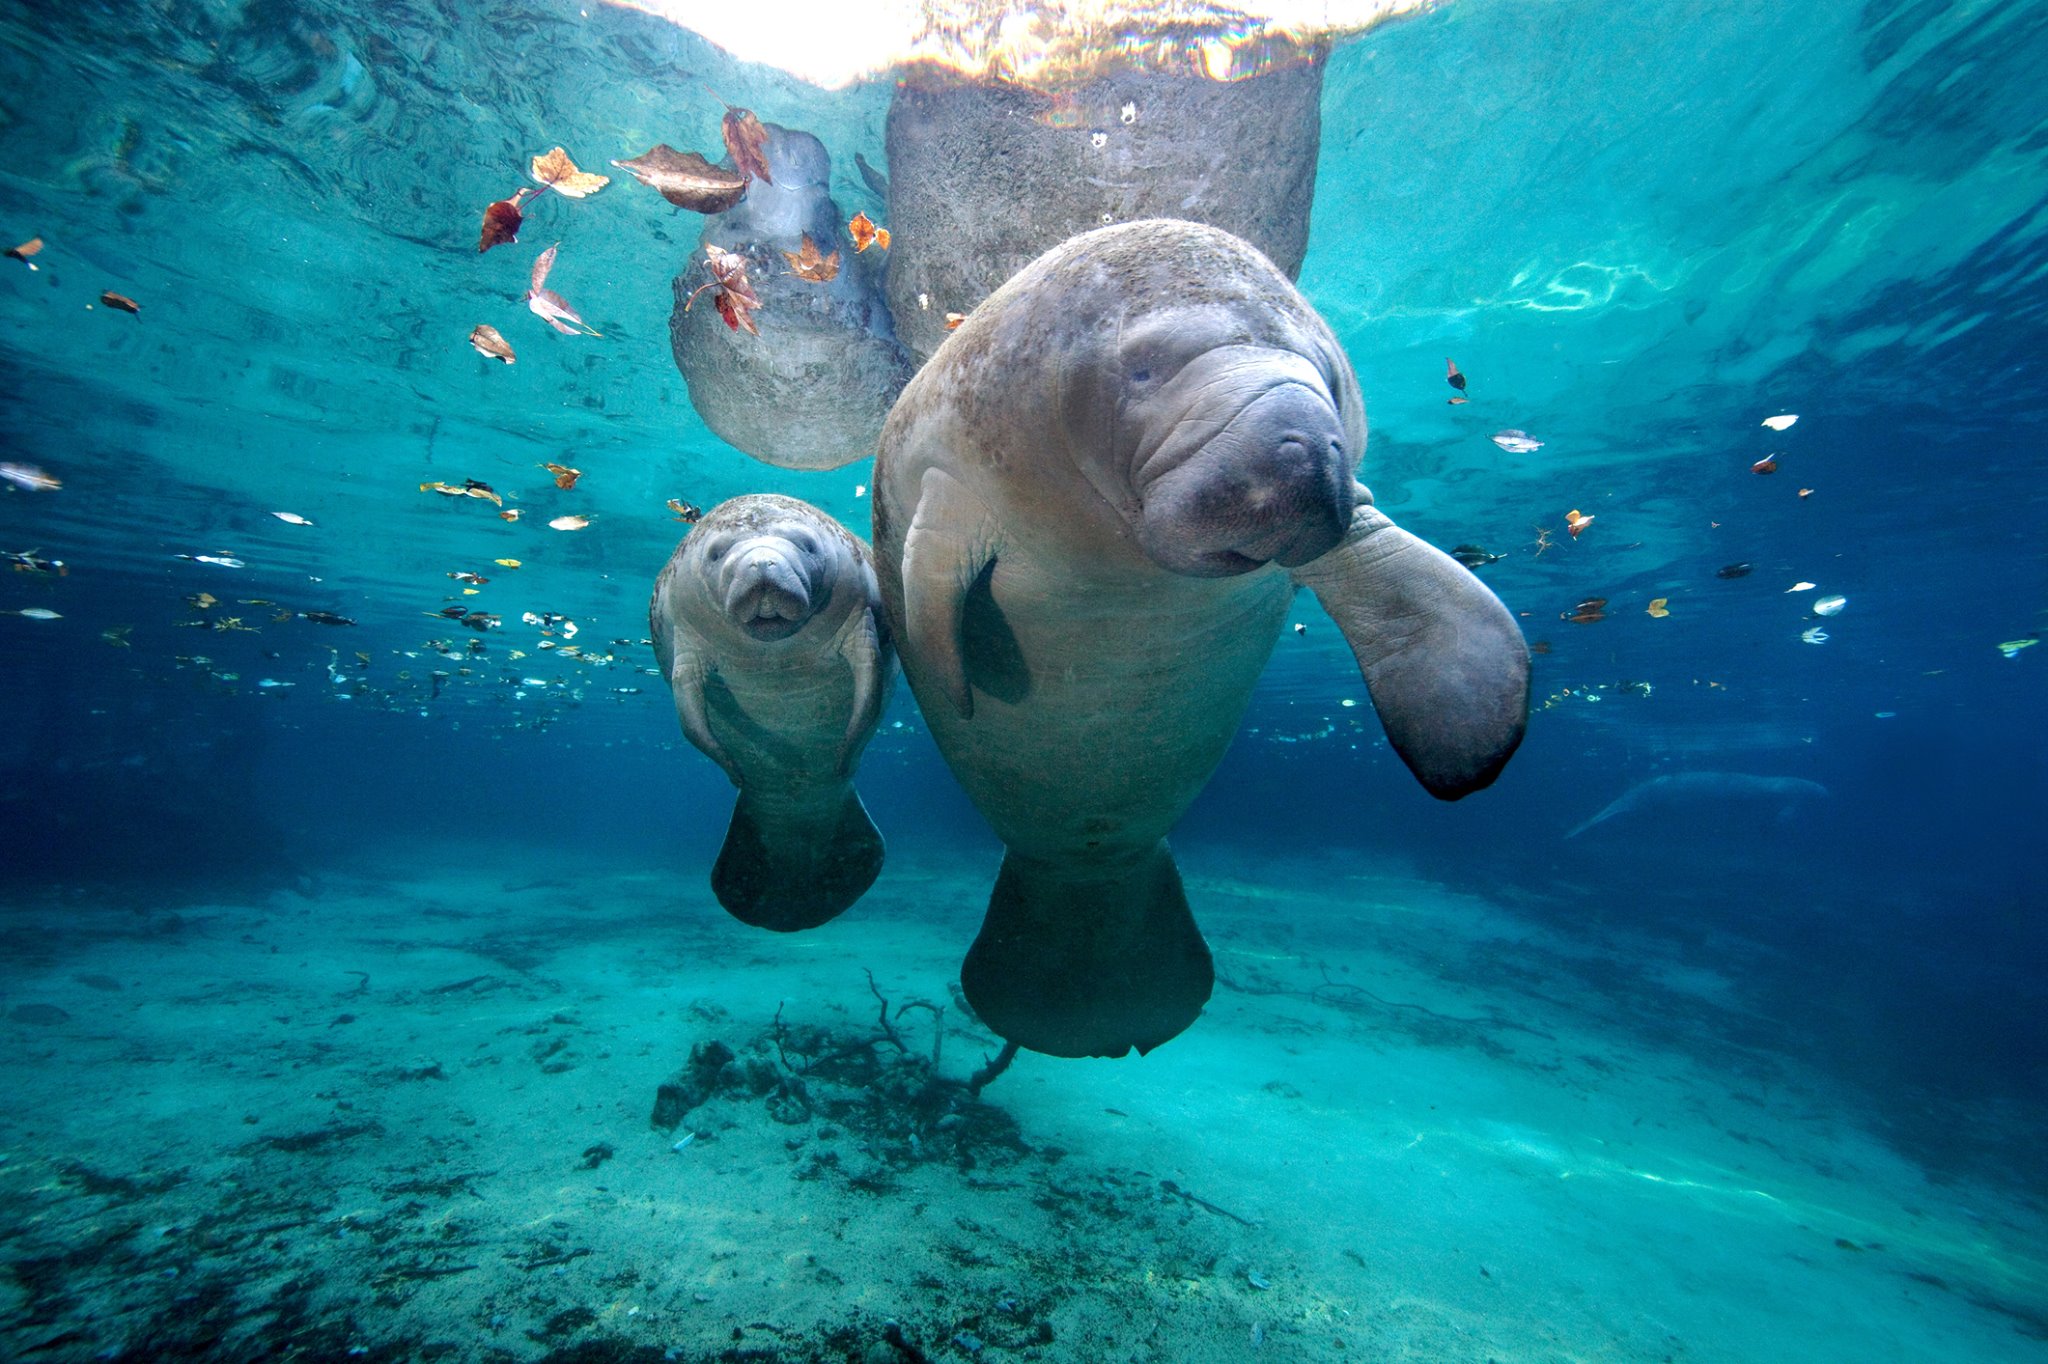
565	477
559	173
808	264
734	293
25	250
502	221
1659	607
549	306
1452	375
1574	522
686	179
747	140
1767	465
685	511
512	515
488	342
866	234
121	301
1806	492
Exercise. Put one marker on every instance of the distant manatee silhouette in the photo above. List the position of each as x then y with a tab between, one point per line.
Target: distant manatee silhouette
1693	790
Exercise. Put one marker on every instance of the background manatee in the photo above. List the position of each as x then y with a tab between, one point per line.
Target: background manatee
984	177
811	391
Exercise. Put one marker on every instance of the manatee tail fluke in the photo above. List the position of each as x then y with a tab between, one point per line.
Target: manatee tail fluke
1088	960
787	876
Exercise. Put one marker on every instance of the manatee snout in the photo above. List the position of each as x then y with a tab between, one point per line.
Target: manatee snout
766	590
1274	484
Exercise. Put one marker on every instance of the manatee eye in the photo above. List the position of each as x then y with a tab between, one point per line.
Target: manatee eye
716	550
804	544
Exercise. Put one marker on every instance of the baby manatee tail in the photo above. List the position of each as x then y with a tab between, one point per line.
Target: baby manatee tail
1088	959
792	873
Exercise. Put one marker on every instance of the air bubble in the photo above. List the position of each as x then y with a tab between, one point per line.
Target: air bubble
1129	113
1099	140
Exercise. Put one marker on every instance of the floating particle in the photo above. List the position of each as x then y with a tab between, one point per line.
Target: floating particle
291	518
506	563
121	301
860	490
1781	423
2011	648
1830	606
512	515
1802	586
1575	522
565	477
1815	635
465	576
34	613
1734	570
953	321
1806	492
1767	465
1658	607
1452	376
29	477
1517	441
569	523
1300	629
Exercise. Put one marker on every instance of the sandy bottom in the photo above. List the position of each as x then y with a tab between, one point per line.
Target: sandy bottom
407	1116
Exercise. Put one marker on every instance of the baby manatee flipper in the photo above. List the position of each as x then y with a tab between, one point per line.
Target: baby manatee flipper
1443	659
686	676
798	878
1088	961
859	642
952	538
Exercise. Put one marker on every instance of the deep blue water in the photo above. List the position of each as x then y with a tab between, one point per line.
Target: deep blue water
1639	230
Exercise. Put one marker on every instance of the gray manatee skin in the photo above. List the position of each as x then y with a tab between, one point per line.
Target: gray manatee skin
1693	790
985	177
1093	508
811	391
769	626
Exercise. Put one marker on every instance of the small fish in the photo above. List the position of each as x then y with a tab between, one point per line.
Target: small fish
1517	442
1472	556
1829	606
35	613
1734	570
326	618
1454	378
29	477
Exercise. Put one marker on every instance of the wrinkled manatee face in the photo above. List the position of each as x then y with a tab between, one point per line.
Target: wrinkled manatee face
769	579
1234	445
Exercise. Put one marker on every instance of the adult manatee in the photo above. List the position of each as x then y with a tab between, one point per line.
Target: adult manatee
1093	507
769	628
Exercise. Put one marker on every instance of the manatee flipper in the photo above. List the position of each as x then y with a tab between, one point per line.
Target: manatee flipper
1088	961
952	538
686	676
1443	659
794	874
860	644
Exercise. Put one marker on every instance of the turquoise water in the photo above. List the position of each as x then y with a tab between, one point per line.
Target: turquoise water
1726	1077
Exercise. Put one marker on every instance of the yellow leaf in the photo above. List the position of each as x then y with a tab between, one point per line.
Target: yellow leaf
559	173
1657	607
